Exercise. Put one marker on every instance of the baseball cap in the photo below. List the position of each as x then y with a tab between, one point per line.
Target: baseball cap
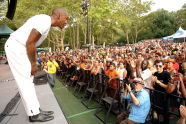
138	80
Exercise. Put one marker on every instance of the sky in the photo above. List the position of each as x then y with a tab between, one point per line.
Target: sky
170	5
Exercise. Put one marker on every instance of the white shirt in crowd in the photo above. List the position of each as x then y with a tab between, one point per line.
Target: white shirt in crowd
146	76
120	72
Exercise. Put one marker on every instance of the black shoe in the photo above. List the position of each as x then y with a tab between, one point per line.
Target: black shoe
46	112
40	118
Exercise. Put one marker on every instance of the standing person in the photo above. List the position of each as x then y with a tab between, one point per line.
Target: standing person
52	66
122	72
21	53
160	82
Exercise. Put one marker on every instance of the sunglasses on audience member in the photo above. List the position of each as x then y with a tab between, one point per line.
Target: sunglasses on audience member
159	66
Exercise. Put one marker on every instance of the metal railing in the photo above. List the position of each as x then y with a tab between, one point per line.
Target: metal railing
163	108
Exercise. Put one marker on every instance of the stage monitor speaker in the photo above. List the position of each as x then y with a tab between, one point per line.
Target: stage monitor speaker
11	9
40	78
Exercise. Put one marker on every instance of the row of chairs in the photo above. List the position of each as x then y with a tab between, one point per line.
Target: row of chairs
106	94
98	92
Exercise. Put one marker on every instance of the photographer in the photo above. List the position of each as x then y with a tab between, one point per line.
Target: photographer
139	102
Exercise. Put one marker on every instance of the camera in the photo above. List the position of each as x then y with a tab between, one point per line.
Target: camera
176	81
176	77
132	84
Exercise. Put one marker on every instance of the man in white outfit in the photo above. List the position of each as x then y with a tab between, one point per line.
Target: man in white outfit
21	53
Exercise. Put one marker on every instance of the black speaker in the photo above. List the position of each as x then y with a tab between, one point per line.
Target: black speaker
11	9
40	78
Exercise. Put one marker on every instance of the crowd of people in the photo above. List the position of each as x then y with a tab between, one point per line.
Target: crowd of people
150	65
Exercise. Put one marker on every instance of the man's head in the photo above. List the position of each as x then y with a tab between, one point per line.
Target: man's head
138	84
144	64
59	17
50	58
157	56
159	66
139	56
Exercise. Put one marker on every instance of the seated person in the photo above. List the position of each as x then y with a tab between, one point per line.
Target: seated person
139	100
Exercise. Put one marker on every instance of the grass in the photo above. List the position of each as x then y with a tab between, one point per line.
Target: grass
74	110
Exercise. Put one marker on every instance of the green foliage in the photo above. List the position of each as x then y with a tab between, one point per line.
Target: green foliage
181	16
109	21
158	24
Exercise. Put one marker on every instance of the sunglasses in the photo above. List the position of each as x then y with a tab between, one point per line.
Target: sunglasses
137	82
159	66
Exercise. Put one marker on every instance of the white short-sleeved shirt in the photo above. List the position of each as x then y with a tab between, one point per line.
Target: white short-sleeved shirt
146	76
120	72
41	23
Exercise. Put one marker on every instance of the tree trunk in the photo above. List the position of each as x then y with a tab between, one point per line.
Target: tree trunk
74	37
56	43
136	34
93	42
77	36
62	39
85	35
49	39
133	38
90	33
70	34
112	36
127	35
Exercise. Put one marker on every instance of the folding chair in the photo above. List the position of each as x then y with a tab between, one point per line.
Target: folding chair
91	91
80	83
110	99
62	71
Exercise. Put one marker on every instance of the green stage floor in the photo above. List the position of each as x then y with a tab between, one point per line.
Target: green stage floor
73	109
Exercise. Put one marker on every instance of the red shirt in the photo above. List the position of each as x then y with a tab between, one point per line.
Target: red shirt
176	66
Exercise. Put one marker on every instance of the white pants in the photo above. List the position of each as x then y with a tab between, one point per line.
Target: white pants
21	70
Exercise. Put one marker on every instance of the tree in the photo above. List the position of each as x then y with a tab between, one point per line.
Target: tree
181	17
109	21
129	15
164	24
3	9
